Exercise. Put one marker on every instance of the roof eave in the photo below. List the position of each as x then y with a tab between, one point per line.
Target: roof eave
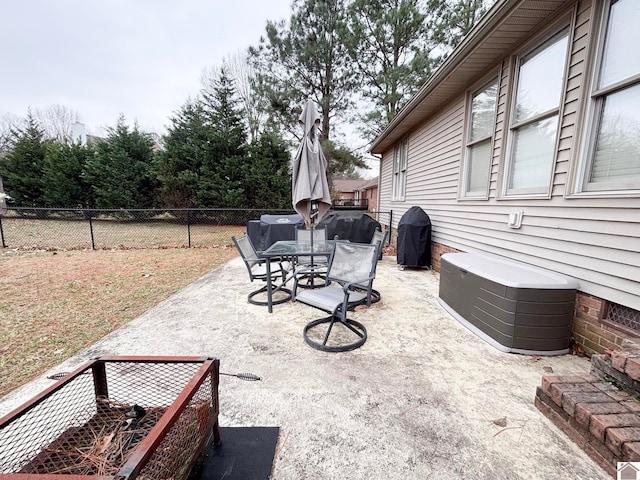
475	36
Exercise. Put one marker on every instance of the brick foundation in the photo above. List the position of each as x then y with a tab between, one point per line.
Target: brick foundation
600	412
437	250
587	329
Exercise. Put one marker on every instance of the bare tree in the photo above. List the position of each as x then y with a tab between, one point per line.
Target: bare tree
57	121
8	124
239	68
241	73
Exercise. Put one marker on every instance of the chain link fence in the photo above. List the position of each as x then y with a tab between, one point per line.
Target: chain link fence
80	229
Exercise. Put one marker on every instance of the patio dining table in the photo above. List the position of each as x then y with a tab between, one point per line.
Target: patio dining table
292	249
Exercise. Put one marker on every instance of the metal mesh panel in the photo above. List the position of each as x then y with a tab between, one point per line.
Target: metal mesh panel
25	436
173	456
623	316
84	426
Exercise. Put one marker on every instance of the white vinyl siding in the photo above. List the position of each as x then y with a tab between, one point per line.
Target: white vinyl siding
534	119
589	237
479	152
613	146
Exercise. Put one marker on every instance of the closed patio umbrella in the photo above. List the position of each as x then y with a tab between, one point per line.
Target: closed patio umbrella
310	189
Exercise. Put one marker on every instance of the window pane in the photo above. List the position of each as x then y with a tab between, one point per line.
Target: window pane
534	145
479	164
617	152
403	155
483	109
540	80
396	160
621	57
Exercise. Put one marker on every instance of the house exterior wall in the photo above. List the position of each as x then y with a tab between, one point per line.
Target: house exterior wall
371	195
593	239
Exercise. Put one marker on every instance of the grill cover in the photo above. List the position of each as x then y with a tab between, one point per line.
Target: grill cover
414	239
355	228
272	228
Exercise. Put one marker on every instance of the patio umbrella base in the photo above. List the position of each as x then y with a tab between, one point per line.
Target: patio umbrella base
276	301
344	332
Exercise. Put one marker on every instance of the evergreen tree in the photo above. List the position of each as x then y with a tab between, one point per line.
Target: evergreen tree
22	167
121	171
342	161
306	58
221	182
456	18
186	147
267	177
63	175
390	44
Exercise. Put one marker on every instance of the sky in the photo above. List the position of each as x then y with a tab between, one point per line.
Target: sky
139	58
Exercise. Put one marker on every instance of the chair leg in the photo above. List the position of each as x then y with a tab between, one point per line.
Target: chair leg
264	303
355	327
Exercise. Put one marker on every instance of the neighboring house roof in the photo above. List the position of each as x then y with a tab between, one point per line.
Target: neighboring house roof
354	185
369	184
348	185
498	31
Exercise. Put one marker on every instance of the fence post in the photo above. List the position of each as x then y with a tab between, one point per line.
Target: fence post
4	245
188	228
93	243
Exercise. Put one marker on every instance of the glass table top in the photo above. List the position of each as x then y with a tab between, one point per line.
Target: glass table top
295	247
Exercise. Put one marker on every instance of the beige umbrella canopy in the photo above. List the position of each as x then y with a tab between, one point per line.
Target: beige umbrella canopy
310	189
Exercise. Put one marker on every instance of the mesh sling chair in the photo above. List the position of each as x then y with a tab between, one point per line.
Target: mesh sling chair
258	270
351	266
307	269
378	240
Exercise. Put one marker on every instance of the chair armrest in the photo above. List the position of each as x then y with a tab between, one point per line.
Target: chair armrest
357	283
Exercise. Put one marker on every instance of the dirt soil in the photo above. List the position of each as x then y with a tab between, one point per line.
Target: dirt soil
53	304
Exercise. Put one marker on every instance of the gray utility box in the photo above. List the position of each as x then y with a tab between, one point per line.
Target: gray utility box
513	306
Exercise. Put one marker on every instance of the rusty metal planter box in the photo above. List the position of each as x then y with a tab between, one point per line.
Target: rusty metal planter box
79	428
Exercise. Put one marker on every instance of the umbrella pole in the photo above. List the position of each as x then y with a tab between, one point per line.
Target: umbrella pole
312	217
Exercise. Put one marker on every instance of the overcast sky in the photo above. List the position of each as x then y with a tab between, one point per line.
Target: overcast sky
142	58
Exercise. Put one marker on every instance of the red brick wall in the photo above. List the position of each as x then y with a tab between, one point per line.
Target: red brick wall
593	335
437	250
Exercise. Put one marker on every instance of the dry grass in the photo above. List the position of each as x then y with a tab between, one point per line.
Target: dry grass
53	304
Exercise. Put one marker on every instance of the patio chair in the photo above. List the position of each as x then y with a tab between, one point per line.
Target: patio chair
257	268
378	239
351	266
308	269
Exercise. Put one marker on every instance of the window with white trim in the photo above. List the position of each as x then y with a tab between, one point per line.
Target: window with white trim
480	128
613	134
535	116
400	154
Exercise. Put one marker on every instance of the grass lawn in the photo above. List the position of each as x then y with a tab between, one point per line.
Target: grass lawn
55	303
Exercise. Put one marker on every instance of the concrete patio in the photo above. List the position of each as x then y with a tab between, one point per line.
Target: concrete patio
424	398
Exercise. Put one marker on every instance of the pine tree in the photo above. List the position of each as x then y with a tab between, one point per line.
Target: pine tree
221	173
390	43
306	58
22	167
267	177
185	151
63	175
121	171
